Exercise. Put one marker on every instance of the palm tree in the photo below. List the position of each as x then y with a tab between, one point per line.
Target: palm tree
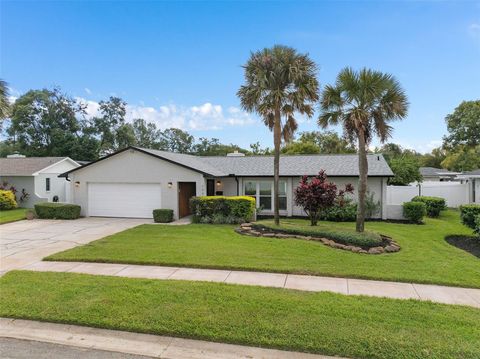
4	103
364	103
279	82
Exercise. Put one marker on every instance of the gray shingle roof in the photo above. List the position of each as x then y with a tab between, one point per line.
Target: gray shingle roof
472	173
25	166
290	165
434	172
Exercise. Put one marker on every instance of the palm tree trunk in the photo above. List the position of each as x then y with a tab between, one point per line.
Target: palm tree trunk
276	164
362	182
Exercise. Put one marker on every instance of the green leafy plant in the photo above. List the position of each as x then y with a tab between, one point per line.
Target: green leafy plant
468	214
7	200
414	211
49	210
372	207
233	209
365	239
342	211
162	215
434	204
476	229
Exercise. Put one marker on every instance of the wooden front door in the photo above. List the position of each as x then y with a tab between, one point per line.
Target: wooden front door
186	190
210	187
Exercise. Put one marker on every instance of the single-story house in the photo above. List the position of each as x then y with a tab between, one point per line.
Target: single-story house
134	181
432	174
473	180
37	177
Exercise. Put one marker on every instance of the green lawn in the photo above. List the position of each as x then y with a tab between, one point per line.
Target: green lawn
425	256
326	323
12	215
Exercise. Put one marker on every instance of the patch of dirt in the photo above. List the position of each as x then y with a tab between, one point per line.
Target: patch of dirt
469	244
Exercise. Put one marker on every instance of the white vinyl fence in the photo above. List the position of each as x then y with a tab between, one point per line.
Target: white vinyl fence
455	194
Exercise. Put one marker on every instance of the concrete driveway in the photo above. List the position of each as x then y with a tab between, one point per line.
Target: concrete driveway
26	242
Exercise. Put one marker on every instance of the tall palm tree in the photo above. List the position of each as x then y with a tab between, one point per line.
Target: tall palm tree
364	103
279	82
4	104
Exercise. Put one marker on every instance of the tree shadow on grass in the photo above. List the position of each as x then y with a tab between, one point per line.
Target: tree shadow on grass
469	244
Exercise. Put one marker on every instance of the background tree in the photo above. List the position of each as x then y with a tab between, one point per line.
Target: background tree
300	148
278	83
406	170
434	158
146	134
464	125
112	116
364	103
463	158
329	142
316	194
47	123
176	140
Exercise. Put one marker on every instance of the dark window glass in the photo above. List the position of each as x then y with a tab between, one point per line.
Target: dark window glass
47	184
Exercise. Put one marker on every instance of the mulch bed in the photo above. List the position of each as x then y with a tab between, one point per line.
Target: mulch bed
469	244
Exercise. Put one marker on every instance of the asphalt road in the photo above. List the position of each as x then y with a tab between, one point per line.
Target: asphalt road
26	349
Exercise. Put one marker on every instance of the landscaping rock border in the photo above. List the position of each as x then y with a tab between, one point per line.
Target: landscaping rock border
388	245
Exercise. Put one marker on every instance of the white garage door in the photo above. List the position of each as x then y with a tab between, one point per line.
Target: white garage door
135	200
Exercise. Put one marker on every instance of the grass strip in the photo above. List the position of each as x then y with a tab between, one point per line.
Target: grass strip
325	323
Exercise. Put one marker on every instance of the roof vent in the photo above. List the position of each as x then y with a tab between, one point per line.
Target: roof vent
235	154
16	155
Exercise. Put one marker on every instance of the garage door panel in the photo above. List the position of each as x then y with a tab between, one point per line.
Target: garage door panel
135	200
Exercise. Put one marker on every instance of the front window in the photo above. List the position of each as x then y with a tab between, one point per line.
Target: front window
47	184
262	191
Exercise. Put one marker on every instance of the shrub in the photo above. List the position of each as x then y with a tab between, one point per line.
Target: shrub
50	210
340	212
365	239
414	211
468	212
7	200
434	204
476	229
162	215
316	195
221	209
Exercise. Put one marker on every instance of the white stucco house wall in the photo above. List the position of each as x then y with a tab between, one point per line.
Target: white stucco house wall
134	181
38	176
472	179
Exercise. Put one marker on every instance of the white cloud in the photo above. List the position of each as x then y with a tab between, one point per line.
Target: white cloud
202	117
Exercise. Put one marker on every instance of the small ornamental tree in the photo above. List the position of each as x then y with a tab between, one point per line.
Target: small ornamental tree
316	194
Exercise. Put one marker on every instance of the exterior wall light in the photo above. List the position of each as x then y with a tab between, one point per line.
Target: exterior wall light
77	184
219	183
170	184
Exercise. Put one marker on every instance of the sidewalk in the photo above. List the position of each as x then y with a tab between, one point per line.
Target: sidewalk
139	344
397	290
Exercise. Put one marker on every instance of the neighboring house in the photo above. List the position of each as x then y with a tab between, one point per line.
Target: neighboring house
134	181
472	178
432	174
37	176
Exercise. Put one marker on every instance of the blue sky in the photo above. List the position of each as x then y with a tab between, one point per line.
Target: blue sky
179	64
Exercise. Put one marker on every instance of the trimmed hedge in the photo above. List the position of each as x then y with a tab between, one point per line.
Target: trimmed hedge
162	215
222	209
7	200
468	212
365	239
414	211
49	210
434	204
337	213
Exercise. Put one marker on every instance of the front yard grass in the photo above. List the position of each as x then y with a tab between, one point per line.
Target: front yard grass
327	323
425	256
12	215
